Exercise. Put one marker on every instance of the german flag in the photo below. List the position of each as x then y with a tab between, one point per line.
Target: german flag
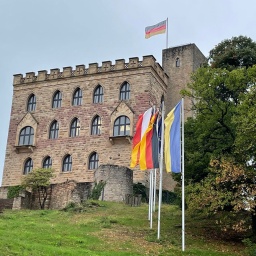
159	28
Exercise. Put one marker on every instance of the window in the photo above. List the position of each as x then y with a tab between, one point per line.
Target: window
93	161
26	136
121	126
28	166
31	103
47	162
56	101
125	91
177	62
98	94
75	128
77	97
96	126
54	130
67	163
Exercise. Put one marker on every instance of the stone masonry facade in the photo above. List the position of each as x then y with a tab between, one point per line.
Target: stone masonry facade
118	182
179	63
149	82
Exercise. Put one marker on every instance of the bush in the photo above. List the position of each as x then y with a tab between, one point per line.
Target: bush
73	207
168	197
14	191
140	189
251	247
97	189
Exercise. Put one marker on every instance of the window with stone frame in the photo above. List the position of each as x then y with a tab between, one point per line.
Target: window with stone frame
54	130
177	62
47	163
31	106
28	166
67	164
74	128
121	126
98	94
93	161
56	100
77	97
96	126
125	91
26	136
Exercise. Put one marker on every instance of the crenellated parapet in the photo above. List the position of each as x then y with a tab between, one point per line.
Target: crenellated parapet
93	68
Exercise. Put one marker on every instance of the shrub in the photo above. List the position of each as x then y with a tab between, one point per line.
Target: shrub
14	191
97	189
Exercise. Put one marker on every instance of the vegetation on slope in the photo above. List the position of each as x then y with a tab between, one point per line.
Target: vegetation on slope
104	228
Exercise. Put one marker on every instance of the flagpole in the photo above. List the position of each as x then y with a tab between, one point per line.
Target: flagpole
149	195
183	178
154	204
167	33
161	172
151	192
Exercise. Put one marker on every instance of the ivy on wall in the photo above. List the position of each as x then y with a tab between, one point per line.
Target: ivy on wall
14	191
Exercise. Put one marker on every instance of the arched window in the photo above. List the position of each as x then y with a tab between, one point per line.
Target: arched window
31	103
96	126
56	101
177	62
67	163
77	97
121	126
74	128
26	136
125	91
98	94
54	130
93	161
28	166
47	162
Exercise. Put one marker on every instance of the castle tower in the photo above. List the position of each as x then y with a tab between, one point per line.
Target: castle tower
179	62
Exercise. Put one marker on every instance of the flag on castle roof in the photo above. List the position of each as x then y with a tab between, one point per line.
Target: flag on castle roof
159	28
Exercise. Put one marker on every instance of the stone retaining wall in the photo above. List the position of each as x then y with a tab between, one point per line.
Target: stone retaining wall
119	182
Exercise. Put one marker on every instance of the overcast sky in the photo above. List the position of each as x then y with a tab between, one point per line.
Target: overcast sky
41	35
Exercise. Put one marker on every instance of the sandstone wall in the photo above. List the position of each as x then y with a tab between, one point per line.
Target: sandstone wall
148	83
179	63
119	182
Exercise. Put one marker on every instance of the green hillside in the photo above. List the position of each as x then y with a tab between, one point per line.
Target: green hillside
103	228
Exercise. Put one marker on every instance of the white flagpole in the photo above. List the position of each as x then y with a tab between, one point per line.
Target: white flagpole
154	205
183	177
151	196
167	33
150	202
161	173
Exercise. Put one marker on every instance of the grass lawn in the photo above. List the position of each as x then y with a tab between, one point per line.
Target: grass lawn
108	229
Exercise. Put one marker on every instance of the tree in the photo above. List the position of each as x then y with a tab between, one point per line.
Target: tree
233	53
215	94
230	187
220	141
39	180
246	123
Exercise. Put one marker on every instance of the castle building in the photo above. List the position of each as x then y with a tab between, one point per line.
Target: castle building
75	120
